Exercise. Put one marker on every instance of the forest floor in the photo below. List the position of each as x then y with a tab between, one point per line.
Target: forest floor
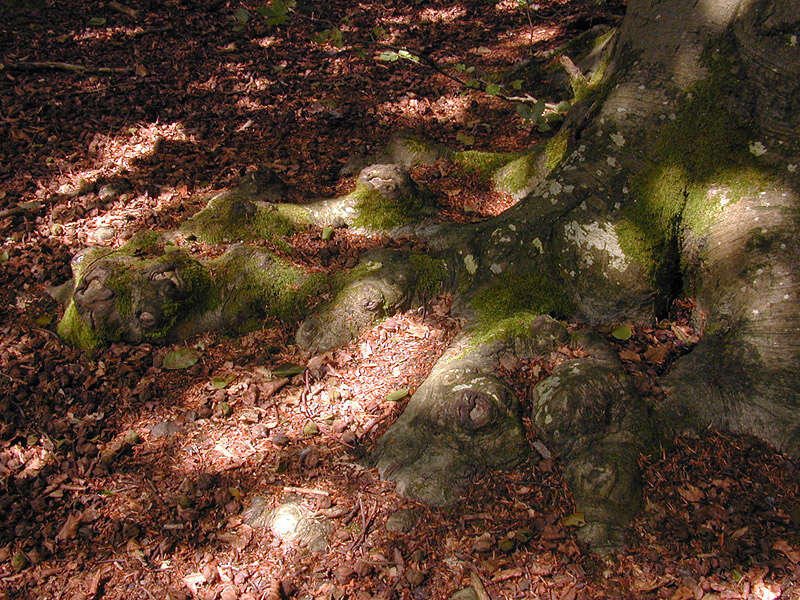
120	478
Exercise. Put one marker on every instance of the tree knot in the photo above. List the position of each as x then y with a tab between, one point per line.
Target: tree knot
475	409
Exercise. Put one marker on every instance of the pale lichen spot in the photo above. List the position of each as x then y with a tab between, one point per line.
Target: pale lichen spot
597	236
512	227
470	264
720	194
496	268
618	139
757	148
537	243
755	311
617	205
555	187
791	168
612	161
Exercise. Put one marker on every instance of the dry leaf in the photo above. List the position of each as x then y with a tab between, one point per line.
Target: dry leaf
266	390
506	574
70	528
99	576
658	354
629	355
691	493
784	546
682	593
193	580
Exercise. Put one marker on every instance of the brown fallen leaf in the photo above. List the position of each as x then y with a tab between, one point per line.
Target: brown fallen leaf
99	576
682	593
70	527
786	548
193	580
507	574
658	354
266	390
629	355
691	493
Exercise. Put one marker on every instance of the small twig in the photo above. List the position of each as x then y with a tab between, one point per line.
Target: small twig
62	66
21	209
139	32
427	61
305	490
477	585
123	9
14	379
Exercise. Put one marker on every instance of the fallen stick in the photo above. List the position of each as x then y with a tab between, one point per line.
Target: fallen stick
305	490
123	9
62	66
21	209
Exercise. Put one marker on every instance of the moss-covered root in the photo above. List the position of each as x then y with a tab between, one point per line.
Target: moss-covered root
251	284
127	295
383	283
159	293
587	412
404	148
247	212
461	421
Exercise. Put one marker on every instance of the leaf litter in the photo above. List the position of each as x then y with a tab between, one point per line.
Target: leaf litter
97	505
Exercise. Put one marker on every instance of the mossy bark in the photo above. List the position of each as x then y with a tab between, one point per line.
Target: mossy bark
662	181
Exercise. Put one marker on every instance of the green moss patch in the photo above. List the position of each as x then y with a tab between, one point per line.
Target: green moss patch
482	164
431	274
378	213
258	284
72	329
702	163
233	217
556	150
516	175
508	305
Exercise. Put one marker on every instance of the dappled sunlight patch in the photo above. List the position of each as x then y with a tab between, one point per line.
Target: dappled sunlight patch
442	15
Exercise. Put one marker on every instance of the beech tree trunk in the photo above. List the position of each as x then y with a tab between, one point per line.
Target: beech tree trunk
675	173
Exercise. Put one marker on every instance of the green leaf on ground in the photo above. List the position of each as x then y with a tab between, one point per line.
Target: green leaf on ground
241	15
465	138
327	233
397	395
623	332
97	21
388	56
287	370
220	382
574	520
44	320
493	89
180	358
